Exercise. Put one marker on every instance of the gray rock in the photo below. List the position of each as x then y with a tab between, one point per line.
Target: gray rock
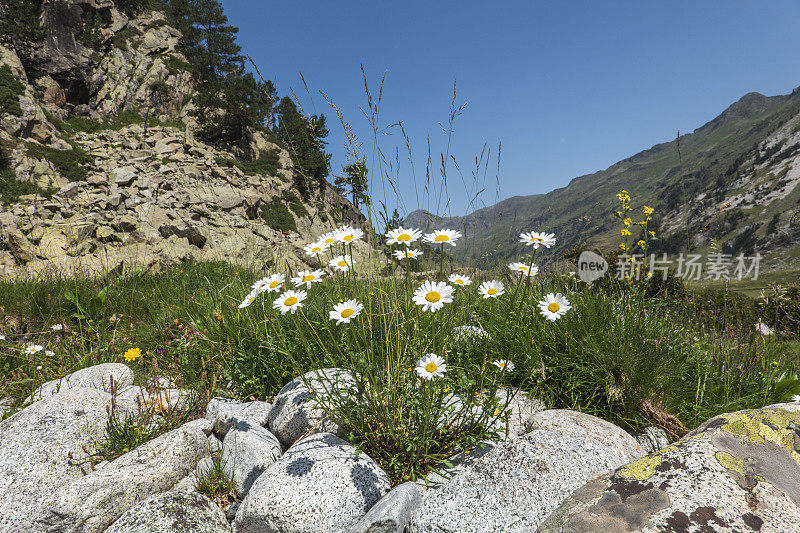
581	424
42	447
392	513
515	485
521	413
319	485
214	444
652	439
95	377
247	451
294	411
173	512
223	412
123	176
92	503
737	472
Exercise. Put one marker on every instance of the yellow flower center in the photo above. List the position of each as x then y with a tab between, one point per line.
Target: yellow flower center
441	238
316	250
537	239
460	281
348	238
502	365
431	367
553	307
274	284
329	240
309	277
522	268
492	291
433	296
290	301
347	313
404	237
409	254
342	263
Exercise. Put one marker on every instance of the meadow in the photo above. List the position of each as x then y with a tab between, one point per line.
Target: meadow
440	343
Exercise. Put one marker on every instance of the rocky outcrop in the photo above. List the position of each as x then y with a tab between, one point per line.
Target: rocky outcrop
736	472
176	511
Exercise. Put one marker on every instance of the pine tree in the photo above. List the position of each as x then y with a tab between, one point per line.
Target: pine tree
305	140
354	178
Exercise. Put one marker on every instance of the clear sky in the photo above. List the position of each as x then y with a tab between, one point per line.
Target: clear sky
568	87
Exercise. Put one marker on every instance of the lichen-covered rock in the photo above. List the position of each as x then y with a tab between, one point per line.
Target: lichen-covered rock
294	411
576	423
247	451
319	485
92	503
43	447
737	472
392	513
175	511
223	412
95	377
652	439
514	485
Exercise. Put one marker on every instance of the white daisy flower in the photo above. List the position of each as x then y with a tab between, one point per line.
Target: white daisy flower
289	301
431	366
796	398
554	306
270	283
346	311
30	349
328	239
307	277
2	337
432	296
250	298
408	253
442	236
536	239
504	364
458	279
49	352
341	263
315	248
57	327
348	235
402	236
524	269
491	289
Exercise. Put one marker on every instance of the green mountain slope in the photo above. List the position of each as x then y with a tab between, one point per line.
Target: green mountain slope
733	181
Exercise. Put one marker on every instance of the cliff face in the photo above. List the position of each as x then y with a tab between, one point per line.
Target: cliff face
105	171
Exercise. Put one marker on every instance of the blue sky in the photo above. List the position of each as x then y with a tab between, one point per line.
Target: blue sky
567	87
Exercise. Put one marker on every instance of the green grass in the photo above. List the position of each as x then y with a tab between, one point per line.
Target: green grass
266	164
71	164
10	91
11	189
124	118
277	216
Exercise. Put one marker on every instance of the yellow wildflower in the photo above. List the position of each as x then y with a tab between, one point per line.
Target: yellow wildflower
627	222
625	233
648	210
652	233
622	246
641	243
133	354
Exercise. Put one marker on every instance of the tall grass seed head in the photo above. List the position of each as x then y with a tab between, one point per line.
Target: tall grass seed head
346	311
442	236
402	236
491	289
554	306
431	366
290	301
433	295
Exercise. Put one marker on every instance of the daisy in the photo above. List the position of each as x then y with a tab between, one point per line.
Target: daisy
133	354
347	234
57	327
402	236
2	337
524	269
307	277
536	239
796	398
408	253
250	298
431	366
341	263
271	283
442	236
554	306
328	239
492	289
458	279
346	311
315	248
504	364
30	349
432	296
289	301
49	352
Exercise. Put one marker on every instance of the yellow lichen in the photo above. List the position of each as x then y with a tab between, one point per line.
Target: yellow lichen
645	468
730	462
765	426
